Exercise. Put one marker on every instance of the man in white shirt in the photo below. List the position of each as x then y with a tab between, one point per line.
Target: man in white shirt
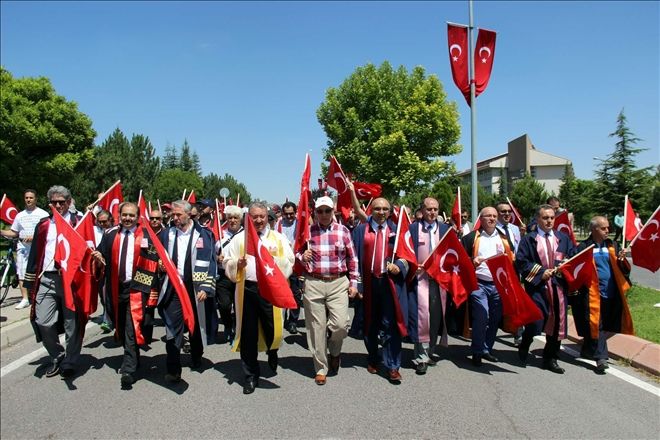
504	217
23	228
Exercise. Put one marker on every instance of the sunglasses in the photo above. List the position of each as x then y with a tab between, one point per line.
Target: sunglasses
324	211
155	218
57	202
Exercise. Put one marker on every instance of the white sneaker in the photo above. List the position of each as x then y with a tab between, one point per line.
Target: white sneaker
23	304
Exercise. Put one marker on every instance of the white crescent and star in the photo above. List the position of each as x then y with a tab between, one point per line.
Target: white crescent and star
339	178
363	193
504	283
112	204
484	49
460	51
653	236
67	250
9	216
577	270
442	260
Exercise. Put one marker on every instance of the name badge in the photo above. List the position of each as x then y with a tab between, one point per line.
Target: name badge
199	244
144	243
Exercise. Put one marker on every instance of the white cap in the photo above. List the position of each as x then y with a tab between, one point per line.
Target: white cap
324	201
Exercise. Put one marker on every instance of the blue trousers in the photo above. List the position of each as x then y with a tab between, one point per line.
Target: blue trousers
383	328
486	315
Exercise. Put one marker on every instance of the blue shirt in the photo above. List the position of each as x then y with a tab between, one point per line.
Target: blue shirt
606	281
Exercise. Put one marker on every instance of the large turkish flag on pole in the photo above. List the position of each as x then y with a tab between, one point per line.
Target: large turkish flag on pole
645	248
403	245
366	191
8	210
273	285
484	54
564	225
111	199
304	212
457	41
337	179
631	229
452	268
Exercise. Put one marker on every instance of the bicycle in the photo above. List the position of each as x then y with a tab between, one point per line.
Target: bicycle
8	271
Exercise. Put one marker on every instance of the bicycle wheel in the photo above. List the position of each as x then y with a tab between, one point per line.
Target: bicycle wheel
5	291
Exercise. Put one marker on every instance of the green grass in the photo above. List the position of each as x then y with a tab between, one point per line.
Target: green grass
646	318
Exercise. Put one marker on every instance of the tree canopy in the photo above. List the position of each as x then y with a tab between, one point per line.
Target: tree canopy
37	123
390	127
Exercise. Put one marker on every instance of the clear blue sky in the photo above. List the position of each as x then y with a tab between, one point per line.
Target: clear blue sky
242	81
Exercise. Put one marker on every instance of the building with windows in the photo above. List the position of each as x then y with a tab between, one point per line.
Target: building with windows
521	158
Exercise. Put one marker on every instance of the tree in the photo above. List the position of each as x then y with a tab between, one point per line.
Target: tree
618	175
171	159
213	183
568	189
185	160
133	162
44	139
391	127
169	184
527	194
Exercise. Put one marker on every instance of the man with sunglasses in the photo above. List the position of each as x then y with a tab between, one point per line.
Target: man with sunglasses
103	223
43	280
504	225
156	221
383	289
287	225
331	278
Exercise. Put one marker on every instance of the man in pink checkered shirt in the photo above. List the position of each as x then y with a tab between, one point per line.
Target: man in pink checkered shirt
331	278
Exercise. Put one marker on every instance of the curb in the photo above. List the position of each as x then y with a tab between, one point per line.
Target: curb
639	352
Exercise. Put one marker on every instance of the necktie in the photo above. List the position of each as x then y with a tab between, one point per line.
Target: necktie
508	234
122	258
429	228
551	253
378	258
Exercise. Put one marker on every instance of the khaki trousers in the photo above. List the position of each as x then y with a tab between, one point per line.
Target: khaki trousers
326	309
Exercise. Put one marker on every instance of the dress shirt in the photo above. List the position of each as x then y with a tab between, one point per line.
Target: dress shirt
182	242
129	251
333	252
489	246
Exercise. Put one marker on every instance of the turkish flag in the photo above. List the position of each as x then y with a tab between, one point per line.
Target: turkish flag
452	268
515	215
484	54
216	227
644	249
518	307
336	178
304	212
273	285
394	216
629	219
111	199
8	210
142	208
192	199
344	205
70	249
581	271
85	228
86	280
366	191
175	280
563	225
403	246
456	209
457	41
477	224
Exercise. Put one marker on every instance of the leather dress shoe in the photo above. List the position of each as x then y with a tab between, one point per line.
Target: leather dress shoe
173	378
431	362
523	351
394	376
196	363
320	379
334	362
552	365
601	366
291	328
476	360
250	384
54	370
127	380
489	357
420	368
372	369
272	361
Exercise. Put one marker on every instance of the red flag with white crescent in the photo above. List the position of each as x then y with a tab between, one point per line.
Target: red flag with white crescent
629	215
8	210
518	307
85	228
456	209
142	208
273	285
70	249
452	268
484	54
366	191
304	212
403	246
645	249
564	225
111	199
516	219
457	41
336	178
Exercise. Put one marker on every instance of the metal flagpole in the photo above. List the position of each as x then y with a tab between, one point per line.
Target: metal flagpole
473	118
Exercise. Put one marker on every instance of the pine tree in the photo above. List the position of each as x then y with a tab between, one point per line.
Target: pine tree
171	159
185	160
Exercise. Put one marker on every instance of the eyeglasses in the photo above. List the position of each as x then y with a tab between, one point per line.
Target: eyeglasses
324	211
57	202
155	218
464	217
381	209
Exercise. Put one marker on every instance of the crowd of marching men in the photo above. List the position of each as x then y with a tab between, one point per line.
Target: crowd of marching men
254	268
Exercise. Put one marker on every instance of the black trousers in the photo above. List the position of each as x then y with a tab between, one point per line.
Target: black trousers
173	314
131	357
297	288
256	310
224	294
552	342
609	312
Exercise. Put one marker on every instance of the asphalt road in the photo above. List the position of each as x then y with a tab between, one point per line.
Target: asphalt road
644	277
453	400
